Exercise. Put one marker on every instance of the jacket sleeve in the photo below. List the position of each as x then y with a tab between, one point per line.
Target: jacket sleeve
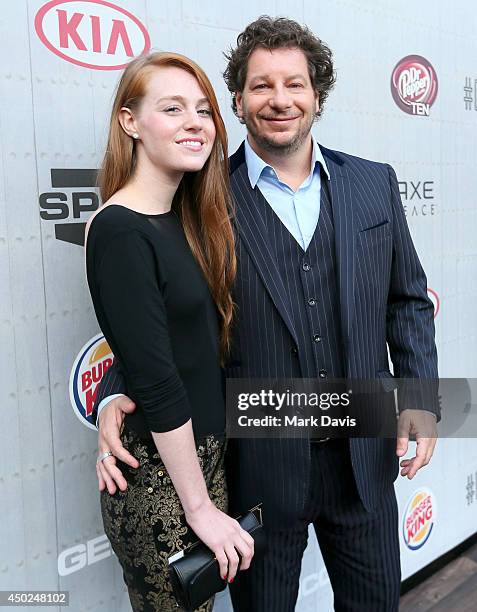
111	384
410	318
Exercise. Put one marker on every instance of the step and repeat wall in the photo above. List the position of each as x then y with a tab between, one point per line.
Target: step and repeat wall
406	94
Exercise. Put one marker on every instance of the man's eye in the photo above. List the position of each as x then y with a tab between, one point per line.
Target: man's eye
296	85
260	86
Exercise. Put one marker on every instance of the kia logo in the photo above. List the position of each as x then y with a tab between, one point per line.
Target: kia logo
91	33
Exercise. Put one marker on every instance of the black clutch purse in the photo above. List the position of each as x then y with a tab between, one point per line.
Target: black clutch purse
195	576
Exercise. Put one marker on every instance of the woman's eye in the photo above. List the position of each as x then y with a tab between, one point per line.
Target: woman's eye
205	111
172	109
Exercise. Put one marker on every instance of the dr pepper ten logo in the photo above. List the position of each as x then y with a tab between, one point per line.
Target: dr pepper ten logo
91	33
414	85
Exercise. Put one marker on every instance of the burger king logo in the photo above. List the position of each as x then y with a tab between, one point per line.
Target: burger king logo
90	365
419	518
414	85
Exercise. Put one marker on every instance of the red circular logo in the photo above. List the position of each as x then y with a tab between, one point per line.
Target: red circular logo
91	33
414	85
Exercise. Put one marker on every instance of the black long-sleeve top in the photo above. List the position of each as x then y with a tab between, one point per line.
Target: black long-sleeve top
155	310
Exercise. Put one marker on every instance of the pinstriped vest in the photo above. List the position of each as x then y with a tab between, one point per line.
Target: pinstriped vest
310	282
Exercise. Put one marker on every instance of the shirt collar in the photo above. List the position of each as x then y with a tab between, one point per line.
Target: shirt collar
256	165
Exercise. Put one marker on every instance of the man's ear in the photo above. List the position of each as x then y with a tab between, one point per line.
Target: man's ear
127	121
238	104
317	102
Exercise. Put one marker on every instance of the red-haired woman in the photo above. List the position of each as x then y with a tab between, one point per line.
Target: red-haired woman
160	264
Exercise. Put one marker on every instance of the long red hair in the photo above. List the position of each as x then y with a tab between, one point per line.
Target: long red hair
202	199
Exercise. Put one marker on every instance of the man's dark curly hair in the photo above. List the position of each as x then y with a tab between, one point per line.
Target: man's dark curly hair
279	33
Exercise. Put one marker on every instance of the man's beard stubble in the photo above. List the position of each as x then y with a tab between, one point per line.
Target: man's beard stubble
276	147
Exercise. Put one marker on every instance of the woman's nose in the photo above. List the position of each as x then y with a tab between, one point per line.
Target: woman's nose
193	121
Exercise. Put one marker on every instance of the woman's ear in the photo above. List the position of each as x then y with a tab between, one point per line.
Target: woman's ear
127	122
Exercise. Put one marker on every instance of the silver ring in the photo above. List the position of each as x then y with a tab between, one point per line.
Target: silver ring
105	455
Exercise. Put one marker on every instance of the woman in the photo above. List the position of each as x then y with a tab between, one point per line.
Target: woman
160	264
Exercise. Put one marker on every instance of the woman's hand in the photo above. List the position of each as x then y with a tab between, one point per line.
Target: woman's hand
110	421
224	536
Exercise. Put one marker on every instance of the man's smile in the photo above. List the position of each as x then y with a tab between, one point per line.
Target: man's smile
280	119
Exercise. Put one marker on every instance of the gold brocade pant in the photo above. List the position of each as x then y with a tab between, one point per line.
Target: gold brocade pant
145	524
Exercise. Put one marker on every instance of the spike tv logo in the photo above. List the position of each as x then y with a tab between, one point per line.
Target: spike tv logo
91	363
76	195
91	33
414	85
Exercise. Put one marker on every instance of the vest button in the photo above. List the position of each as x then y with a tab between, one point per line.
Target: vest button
323	373
317	338
294	350
306	267
312	302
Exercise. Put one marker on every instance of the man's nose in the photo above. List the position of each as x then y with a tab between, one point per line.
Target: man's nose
280	99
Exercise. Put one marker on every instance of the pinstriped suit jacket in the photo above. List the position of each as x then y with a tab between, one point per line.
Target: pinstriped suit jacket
383	301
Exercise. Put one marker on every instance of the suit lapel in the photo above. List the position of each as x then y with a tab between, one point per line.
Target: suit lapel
342	190
254	235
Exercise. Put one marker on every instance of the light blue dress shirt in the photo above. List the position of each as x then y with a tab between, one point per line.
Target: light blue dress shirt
298	210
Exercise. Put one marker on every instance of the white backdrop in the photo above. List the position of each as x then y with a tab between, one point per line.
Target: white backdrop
61	63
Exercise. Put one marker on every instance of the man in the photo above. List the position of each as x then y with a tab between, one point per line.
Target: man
327	278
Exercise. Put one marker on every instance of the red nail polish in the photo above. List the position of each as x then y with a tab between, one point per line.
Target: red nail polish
231	580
